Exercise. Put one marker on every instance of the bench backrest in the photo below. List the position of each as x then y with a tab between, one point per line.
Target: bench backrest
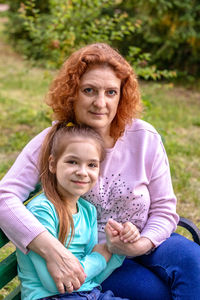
8	270
8	267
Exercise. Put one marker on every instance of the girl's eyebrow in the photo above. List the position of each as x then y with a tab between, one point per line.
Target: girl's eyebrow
77	157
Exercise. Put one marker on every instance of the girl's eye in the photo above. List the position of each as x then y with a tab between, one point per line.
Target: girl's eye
93	165
72	162
111	92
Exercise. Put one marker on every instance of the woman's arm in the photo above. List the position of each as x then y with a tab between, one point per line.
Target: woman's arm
162	217
61	264
16	221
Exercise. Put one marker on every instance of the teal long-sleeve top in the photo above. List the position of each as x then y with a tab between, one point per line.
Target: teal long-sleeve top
32	271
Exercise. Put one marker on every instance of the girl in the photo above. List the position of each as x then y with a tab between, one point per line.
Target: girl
69	167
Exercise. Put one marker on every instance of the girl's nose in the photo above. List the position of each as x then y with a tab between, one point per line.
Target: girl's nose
81	171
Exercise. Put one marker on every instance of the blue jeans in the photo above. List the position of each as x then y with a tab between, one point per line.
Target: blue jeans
172	271
91	295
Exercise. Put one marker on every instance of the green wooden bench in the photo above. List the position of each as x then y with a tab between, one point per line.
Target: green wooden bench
8	270
8	267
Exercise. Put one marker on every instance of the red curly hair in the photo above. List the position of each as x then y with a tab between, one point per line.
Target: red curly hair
63	90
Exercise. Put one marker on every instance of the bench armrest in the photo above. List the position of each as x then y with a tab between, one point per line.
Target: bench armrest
191	227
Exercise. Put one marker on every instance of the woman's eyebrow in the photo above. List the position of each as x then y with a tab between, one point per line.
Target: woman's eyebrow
96	85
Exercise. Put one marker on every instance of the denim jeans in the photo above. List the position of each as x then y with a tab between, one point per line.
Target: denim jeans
91	295
172	271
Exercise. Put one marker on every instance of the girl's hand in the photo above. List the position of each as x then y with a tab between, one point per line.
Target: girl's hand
103	250
116	245
63	266
129	233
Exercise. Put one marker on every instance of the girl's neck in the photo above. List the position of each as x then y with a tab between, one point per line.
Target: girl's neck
72	205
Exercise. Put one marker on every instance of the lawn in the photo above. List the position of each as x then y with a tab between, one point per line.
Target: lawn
174	111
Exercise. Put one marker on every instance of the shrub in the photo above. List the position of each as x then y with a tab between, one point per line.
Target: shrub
169	31
52	31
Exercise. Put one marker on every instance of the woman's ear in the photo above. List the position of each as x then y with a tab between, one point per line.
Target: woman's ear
52	164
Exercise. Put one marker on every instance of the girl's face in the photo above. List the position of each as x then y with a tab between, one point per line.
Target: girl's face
77	169
98	98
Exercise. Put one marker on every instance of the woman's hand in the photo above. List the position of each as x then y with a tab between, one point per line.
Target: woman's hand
103	250
116	245
63	266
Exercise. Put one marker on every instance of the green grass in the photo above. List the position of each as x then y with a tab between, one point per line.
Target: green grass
174	111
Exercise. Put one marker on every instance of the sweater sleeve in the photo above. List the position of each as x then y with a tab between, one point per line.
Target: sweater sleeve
162	217
114	263
16	221
93	262
46	214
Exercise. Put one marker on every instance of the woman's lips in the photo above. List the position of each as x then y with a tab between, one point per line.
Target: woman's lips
97	113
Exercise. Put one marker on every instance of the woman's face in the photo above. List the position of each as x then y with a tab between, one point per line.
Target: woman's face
98	98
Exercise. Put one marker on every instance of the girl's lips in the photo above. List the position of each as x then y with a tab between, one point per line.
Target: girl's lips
80	182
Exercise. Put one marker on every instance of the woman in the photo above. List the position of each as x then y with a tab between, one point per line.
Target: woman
98	88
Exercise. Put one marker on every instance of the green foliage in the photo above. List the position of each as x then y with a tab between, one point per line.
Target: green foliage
170	31
51	33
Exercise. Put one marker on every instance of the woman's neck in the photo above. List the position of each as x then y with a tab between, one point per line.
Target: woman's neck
108	140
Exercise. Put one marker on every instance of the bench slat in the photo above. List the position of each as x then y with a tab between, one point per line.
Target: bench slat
3	239
14	295
8	269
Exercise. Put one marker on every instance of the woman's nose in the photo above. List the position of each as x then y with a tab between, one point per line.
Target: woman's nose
100	100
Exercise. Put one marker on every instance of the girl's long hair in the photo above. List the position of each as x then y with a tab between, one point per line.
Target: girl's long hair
55	144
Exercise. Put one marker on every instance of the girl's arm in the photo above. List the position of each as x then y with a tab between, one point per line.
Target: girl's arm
96	255
53	259
99	264
56	259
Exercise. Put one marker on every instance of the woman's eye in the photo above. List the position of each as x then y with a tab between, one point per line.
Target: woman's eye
88	90
111	92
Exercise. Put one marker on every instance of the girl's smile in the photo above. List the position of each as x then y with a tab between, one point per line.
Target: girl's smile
77	169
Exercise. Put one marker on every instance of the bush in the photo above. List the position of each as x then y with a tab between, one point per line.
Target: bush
52	31
169	31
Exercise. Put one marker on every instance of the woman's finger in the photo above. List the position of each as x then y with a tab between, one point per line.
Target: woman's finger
75	284
69	287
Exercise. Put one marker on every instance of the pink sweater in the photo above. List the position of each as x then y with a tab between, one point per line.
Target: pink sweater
134	184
